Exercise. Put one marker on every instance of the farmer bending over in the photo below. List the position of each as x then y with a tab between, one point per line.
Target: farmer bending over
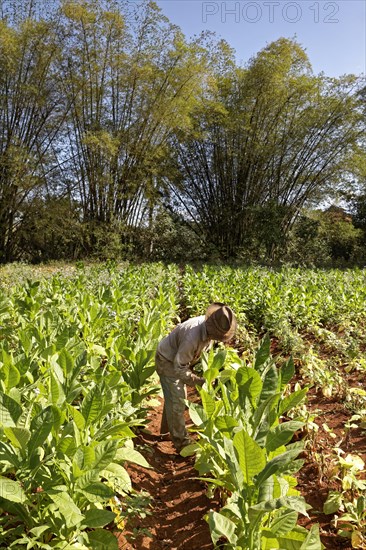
179	351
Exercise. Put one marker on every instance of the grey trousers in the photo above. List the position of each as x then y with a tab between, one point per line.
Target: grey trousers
174	391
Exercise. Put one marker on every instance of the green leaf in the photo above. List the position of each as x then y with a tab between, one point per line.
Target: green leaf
118	477
294	503
10	411
92	405
86	479
287	372
333	502
12	376
312	541
56	391
226	424
11	490
250	455
84	459
282	434
293	540
100	539
250	384
292	400
131	455
208	403
221	526
97	491
284	522
104	454
98	518
260	420
278	464
196	413
19	437
263	353
9	454
270	383
76	416
67	508
66	362
40	428
39	530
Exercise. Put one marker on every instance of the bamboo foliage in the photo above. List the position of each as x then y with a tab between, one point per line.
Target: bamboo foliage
30	117
128	85
271	137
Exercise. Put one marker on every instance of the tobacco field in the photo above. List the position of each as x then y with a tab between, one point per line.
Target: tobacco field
279	426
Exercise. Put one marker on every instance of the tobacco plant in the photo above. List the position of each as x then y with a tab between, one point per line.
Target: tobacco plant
245	451
76	359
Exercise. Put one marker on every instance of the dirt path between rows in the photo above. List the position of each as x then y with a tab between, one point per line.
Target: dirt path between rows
179	499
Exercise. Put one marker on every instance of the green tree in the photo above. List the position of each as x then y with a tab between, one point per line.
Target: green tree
130	82
266	140
31	113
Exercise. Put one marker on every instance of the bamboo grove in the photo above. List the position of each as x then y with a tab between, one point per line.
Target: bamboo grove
112	120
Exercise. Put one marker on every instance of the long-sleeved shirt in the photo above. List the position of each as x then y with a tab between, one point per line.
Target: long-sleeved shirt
184	346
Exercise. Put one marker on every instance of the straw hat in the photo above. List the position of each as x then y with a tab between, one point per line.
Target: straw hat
220	322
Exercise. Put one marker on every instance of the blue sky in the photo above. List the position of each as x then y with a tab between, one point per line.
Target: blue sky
333	33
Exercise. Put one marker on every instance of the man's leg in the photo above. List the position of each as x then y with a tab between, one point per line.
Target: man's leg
174	394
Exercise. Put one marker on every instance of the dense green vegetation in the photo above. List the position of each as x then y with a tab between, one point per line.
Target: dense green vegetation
76	350
120	138
77	380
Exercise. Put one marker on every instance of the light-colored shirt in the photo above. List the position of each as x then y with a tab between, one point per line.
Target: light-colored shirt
185	344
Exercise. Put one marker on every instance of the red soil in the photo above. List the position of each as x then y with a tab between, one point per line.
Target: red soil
179	500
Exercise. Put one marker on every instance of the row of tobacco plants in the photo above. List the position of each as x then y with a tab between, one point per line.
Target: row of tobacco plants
244	448
76	350
317	318
77	378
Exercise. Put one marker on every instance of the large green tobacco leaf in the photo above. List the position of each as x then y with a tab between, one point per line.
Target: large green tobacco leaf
287	372
270	382
249	384
292	400
66	361
263	418
296	539
56	390
10	411
18	437
41	427
98	518
118	478
11	375
282	434
83	460
209	404
92	405
67	508
127	454
105	452
251	456
97	492
77	416
278	464
100	539
312	541
284	522
294	503
262	354
221	526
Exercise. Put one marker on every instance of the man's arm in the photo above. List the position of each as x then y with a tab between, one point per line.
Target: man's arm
182	362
